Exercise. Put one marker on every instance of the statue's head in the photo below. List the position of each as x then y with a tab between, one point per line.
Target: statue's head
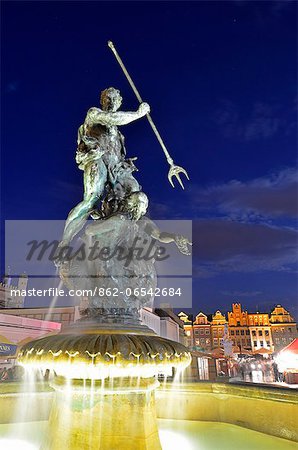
110	99
136	205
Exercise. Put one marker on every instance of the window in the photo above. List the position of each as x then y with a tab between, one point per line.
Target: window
207	331
197	341
247	332
196	331
203	368
207	341
266	332
268	343
262	343
237	332
255	343
215	341
232	332
254	333
242	332
260	333
215	331
221	341
290	330
201	331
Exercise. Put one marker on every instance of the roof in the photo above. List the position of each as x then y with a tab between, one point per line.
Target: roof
292	347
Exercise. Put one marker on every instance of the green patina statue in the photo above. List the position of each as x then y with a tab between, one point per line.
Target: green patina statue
101	155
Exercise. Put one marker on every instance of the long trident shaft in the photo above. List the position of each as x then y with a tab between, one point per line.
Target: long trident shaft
174	170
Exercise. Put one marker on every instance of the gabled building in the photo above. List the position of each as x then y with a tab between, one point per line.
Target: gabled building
283	327
218	323
238	328
202	333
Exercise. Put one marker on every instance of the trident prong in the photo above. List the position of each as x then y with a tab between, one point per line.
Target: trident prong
174	170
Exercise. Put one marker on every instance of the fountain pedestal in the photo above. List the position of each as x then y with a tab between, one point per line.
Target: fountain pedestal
104	383
106	416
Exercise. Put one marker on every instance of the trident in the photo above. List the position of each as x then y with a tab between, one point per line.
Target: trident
174	170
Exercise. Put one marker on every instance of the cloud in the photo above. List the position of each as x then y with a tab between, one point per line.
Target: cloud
260	121
229	246
272	196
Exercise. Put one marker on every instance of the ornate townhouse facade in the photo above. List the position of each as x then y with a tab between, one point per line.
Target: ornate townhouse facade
245	331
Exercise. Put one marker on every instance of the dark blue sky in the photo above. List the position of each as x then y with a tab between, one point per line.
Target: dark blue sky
221	79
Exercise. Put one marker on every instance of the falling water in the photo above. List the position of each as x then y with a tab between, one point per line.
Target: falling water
53	302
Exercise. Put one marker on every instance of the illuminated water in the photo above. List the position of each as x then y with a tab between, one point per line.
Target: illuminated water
174	434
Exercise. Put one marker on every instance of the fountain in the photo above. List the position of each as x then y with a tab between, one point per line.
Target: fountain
104	390
106	365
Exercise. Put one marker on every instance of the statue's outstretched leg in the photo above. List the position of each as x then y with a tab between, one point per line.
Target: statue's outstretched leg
95	177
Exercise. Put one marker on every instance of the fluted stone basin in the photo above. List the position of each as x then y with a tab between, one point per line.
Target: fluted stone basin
104	385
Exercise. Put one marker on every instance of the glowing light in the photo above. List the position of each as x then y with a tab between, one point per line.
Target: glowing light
72	355
13	444
171	439
54	353
287	361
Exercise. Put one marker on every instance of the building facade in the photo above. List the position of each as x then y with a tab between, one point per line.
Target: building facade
202	333
217	327
7	300
238	328
260	332
251	332
188	328
283	327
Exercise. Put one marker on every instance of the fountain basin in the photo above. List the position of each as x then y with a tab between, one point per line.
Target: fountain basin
194	406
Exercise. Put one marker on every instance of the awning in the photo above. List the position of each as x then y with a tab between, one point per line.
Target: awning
292	347
7	349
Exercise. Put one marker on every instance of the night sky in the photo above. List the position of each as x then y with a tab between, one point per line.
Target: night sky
221	79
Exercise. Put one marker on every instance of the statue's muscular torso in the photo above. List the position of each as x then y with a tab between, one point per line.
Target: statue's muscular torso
106	141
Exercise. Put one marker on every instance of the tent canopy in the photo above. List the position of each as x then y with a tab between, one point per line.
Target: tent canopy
292	347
